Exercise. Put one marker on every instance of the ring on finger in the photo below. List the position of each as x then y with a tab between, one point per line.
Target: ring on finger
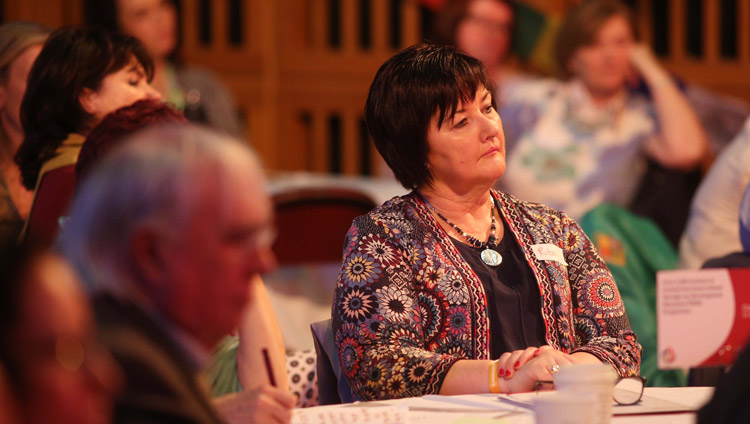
554	368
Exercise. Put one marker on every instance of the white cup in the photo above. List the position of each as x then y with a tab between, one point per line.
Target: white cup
597	380
564	408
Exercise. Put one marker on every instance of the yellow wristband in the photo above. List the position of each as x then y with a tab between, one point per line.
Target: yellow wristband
494	381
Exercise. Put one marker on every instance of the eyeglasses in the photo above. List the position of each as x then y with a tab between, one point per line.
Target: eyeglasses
628	390
254	238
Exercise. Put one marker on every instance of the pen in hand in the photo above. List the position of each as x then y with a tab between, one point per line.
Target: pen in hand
269	370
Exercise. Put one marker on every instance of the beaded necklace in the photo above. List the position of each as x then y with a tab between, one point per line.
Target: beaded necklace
489	255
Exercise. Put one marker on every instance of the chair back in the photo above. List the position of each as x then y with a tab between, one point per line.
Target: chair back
332	386
312	223
51	202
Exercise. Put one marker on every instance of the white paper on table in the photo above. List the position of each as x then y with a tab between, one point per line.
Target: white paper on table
647	405
375	413
464	409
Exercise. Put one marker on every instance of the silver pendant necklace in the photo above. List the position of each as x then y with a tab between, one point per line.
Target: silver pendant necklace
489	255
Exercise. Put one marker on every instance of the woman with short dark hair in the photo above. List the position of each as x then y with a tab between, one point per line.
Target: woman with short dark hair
457	288
63	95
79	76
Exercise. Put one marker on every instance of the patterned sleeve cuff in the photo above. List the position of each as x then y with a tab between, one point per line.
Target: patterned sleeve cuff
623	367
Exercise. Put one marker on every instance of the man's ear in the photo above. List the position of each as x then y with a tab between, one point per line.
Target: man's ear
88	100
149	257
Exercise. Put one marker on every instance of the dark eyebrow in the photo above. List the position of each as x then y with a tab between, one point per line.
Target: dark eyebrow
486	95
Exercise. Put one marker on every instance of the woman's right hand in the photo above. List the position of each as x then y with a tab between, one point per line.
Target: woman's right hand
265	404
529	366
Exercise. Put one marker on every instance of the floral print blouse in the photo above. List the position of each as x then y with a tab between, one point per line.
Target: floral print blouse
566	152
407	306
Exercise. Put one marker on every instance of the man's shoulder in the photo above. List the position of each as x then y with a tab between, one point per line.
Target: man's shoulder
160	385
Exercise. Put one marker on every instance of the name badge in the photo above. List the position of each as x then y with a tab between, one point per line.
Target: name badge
548	252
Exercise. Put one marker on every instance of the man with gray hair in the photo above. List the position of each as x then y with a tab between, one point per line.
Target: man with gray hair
169	231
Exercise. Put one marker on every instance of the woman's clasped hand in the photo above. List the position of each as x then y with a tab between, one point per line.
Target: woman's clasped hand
522	369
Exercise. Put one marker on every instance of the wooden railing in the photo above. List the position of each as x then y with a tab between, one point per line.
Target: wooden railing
300	69
728	74
300	77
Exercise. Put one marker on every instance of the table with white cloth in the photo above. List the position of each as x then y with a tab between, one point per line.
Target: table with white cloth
660	405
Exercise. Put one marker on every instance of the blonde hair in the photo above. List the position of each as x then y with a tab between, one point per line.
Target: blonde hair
15	37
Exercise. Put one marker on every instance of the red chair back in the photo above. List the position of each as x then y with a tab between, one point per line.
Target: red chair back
312	223
51	202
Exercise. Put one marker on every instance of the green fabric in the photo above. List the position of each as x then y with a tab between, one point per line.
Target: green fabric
530	23
634	249
534	37
222	373
174	91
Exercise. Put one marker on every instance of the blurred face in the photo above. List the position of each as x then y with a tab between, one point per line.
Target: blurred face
154	22
118	89
212	263
71	379
469	149
604	65
12	90
485	32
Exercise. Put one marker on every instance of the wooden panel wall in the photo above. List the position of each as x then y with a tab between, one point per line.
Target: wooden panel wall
301	78
711	69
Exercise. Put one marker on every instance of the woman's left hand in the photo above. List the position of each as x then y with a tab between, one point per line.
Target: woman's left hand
646	65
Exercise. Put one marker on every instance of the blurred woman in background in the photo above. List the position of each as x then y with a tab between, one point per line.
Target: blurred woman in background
194	91
583	141
482	29
80	76
20	44
56	371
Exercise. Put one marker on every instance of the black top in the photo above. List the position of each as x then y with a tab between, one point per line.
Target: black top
733	260
161	384
514	303
729	403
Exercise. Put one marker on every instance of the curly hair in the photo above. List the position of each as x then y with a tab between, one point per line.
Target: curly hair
116	126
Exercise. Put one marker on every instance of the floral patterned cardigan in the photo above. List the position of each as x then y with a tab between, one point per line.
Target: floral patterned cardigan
407	306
